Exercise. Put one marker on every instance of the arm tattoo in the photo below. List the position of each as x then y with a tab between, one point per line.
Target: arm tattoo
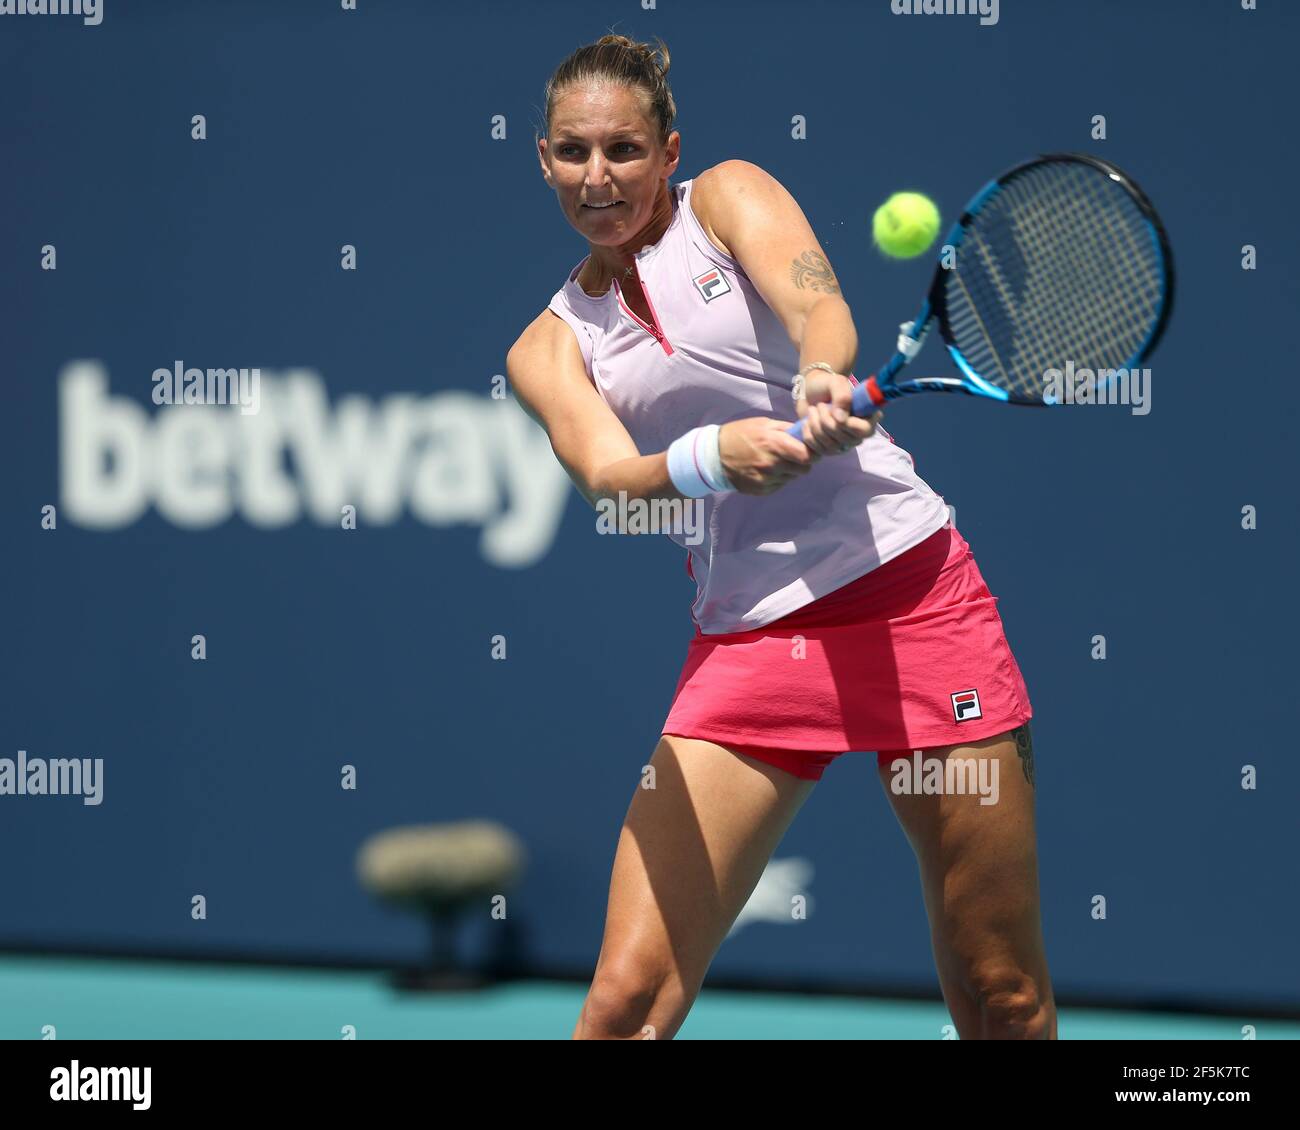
811	271
1025	750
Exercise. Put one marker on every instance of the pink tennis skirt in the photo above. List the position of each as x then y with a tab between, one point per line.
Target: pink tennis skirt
910	656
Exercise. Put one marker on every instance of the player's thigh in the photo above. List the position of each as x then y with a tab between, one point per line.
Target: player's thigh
978	864
698	834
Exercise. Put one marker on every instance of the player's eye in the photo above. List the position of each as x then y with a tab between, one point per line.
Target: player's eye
564	150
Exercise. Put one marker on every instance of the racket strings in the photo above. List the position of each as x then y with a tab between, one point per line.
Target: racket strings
1066	306
1064	303
1060	265
1097	198
1070	298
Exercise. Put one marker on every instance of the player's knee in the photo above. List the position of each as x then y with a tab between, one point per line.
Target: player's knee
1011	1006
620	1003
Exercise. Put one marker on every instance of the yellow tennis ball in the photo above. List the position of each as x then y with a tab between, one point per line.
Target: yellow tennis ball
905	225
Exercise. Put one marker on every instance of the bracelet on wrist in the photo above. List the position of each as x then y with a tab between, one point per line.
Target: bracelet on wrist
796	390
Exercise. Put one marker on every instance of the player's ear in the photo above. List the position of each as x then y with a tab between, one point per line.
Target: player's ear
541	158
672	153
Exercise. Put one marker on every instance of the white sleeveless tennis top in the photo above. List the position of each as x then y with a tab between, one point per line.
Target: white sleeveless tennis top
717	352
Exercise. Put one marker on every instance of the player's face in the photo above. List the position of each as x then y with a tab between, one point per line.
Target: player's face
603	150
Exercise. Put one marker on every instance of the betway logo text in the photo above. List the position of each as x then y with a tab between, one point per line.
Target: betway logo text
448	458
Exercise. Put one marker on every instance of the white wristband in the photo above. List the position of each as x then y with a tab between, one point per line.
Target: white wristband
695	463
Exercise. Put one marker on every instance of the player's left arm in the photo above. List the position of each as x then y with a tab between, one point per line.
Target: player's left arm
766	232
761	224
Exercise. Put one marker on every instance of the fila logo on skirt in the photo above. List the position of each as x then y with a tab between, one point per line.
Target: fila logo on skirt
966	705
712	284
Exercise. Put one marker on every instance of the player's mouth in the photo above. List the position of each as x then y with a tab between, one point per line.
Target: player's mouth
606	207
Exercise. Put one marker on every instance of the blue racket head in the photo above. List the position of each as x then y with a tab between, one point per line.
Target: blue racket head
1060	261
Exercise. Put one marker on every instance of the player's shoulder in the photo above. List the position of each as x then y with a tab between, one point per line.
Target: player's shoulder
544	342
541	333
715	191
545	357
724	180
729	175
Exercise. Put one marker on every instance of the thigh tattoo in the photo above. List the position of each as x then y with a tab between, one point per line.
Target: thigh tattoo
1025	750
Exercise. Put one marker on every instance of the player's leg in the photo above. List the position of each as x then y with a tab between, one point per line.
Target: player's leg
979	874
690	853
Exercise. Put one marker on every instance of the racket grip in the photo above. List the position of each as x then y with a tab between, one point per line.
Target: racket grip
867	401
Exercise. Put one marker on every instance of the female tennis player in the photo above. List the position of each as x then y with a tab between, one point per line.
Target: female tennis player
838	609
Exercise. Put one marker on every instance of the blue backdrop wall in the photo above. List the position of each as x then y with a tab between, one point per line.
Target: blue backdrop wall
406	131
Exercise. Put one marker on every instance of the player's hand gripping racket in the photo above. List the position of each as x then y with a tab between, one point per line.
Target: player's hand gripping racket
1061	259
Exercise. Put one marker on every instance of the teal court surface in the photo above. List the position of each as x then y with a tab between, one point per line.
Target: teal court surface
114	999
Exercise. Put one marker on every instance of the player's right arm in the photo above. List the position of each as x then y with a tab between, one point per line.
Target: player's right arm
549	378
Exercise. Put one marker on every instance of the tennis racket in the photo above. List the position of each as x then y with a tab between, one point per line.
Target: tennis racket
1060	259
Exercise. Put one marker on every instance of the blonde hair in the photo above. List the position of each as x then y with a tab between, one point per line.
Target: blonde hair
622	61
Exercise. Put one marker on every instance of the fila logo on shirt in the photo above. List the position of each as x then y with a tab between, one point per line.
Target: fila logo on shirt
966	705
712	284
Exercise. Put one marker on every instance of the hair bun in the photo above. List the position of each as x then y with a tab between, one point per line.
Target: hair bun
647	51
